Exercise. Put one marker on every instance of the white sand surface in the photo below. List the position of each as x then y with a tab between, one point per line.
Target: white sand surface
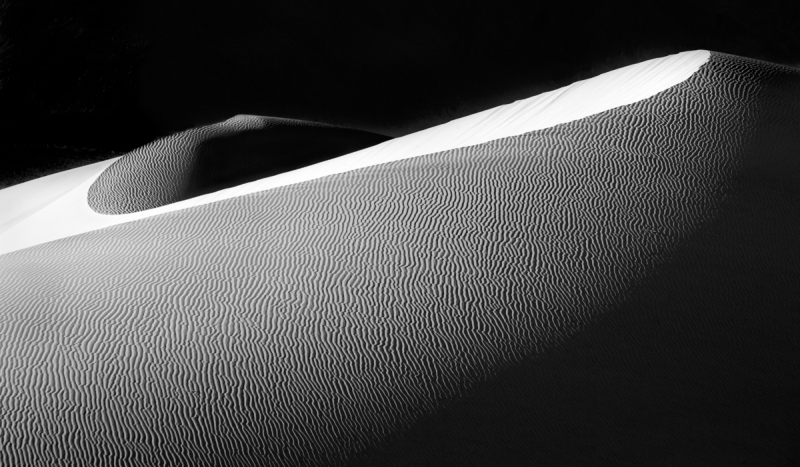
23	200
640	253
56	206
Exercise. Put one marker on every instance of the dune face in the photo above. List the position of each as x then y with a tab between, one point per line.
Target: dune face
310	323
195	162
70	214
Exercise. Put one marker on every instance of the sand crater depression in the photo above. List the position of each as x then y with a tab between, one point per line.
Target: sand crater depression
214	157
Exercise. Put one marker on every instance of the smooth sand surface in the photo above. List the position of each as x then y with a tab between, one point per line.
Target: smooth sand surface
70	214
23	200
407	311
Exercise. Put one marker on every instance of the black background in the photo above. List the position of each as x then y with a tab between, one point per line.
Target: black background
84	80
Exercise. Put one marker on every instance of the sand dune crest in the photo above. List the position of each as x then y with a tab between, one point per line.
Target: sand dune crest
214	157
312	322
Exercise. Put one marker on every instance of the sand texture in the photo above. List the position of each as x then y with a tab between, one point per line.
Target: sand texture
337	319
242	149
71	214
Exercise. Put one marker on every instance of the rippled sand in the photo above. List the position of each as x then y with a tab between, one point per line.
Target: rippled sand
338	318
215	157
248	138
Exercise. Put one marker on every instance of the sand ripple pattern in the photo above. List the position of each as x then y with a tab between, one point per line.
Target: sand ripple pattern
210	158
303	324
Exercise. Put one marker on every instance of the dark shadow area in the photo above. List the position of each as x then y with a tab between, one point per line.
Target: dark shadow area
229	160
215	157
698	368
64	141
68	85
150	68
42	160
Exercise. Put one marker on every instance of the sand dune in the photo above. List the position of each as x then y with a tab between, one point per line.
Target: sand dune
211	158
24	200
71	214
337	313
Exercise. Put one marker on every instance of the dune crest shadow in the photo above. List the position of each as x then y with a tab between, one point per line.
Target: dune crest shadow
203	160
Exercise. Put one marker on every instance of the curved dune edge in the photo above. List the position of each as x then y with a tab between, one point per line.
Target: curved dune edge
70	213
307	323
211	158
26	199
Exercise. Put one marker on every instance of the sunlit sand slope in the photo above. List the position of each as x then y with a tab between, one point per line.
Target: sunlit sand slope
70	213
28	199
214	157
314	321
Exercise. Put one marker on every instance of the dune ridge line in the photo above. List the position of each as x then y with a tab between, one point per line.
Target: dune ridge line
317	321
70	214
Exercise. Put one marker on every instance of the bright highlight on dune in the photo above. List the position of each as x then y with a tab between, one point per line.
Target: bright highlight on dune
67	212
208	159
317	316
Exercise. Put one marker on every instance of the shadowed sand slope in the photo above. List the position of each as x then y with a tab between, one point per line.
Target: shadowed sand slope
203	160
69	213
633	267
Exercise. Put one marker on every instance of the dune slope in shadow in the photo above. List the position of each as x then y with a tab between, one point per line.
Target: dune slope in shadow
315	321
698	367
214	157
